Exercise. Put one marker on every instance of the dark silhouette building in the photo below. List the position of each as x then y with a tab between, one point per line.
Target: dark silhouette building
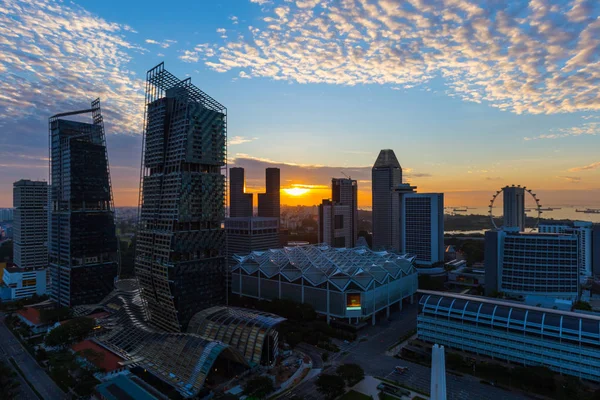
385	175
240	202
338	217
83	256
180	250
269	202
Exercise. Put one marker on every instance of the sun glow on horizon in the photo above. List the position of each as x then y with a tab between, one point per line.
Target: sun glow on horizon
296	191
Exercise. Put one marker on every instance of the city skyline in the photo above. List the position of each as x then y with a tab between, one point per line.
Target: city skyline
463	119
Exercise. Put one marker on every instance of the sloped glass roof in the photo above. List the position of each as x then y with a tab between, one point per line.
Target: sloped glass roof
320	262
183	360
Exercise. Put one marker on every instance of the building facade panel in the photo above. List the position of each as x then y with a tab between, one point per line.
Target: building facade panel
563	341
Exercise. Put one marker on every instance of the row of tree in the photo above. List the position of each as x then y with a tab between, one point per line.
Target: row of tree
334	385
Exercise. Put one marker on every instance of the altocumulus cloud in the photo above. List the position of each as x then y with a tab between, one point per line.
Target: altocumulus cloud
55	55
535	56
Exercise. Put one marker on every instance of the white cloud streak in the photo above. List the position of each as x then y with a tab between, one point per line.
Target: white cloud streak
58	58
590	128
523	56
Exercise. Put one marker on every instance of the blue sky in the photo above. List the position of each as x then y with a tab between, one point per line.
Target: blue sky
471	95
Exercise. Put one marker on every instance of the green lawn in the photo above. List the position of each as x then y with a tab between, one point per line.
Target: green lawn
353	395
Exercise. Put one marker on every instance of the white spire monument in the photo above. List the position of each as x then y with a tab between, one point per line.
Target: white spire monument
438	373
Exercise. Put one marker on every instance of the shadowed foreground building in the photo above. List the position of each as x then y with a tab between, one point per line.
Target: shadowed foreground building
564	341
180	250
83	255
220	343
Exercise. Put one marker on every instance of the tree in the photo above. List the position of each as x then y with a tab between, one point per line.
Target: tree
48	315
71	331
583	305
351	373
259	387
8	382
331	386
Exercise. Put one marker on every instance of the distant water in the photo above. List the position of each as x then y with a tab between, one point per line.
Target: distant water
562	213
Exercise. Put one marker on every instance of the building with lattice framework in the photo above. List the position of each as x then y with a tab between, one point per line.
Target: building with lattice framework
220	343
337	282
180	250
83	247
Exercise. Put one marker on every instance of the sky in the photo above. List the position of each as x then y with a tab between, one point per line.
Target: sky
471	95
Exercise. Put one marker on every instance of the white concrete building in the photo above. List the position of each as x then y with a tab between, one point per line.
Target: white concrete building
583	231
30	199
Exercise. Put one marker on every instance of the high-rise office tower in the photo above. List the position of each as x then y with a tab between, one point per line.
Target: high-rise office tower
30	199
345	191
180	250
240	202
338	217
83	255
28	275
423	216
514	207
385	175
268	202
418	224
531	264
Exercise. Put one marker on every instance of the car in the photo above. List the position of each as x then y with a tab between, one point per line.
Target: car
400	369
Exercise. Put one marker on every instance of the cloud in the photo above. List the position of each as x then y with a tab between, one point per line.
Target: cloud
234	19
58	57
516	56
306	174
571	179
588	167
232	141
589	128
164	44
493	178
261	2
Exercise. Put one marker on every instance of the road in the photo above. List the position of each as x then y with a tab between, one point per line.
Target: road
370	355
11	347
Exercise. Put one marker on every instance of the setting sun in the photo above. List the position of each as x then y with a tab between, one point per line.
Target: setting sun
296	191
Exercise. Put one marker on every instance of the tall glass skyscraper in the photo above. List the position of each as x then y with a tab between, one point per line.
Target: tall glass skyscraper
240	202
385	175
83	248
180	250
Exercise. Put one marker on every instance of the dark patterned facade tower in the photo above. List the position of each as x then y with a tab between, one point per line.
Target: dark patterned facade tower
180	250
345	191
83	248
269	202
240	202
385	175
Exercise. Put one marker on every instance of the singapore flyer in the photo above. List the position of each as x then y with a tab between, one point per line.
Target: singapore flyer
536	207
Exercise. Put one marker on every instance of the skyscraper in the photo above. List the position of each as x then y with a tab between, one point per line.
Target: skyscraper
424	227
240	202
268	202
418	224
180	251
83	256
338	217
30	199
345	191
28	275
533	264
514	207
385	175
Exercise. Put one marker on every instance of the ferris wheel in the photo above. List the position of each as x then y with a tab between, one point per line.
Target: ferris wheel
537	208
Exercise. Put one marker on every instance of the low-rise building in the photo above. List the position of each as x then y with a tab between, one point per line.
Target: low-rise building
467	277
563	341
20	283
337	282
30	316
122	387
